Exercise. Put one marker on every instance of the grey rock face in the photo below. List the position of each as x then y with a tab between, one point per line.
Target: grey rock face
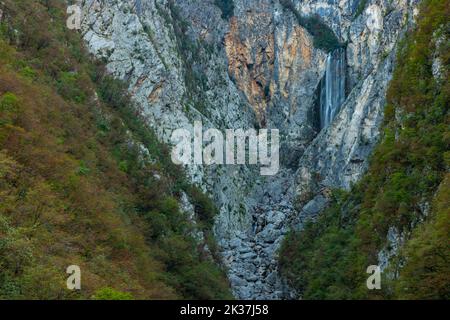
183	63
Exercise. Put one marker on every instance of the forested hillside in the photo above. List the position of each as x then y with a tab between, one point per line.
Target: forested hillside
84	181
403	203
77	186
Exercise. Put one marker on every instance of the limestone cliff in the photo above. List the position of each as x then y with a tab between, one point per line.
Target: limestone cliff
183	62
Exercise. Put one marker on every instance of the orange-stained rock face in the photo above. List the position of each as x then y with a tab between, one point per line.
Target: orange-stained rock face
253	60
250	63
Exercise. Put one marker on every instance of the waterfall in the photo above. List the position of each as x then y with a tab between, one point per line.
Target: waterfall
332	87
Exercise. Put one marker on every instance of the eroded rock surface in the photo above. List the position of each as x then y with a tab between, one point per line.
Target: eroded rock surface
184	62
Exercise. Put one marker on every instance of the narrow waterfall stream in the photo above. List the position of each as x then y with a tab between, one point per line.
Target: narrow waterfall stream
332	87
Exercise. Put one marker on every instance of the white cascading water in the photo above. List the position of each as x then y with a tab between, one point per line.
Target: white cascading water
332	91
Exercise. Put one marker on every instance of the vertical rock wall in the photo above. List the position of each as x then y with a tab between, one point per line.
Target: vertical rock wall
184	62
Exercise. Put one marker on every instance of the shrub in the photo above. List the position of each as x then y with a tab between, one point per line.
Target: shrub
74	187
108	293
204	207
9	108
227	8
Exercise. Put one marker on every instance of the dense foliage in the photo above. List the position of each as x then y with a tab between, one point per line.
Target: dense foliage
324	37
75	187
407	188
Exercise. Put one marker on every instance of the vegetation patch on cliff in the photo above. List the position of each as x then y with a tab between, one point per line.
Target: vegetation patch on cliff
324	37
192	53
360	8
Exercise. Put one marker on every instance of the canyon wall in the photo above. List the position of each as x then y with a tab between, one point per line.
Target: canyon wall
259	68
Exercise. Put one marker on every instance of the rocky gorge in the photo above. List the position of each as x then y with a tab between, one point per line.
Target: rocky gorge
258	67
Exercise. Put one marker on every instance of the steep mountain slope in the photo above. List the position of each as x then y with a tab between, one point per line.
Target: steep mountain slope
84	182
251	64
398	216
